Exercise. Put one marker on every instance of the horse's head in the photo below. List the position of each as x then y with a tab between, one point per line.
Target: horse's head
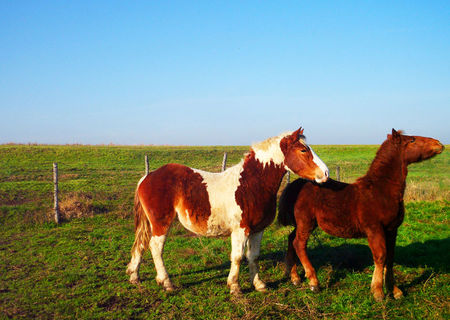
301	159
417	148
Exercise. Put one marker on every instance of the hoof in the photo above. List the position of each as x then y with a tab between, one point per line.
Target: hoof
166	284
398	294
296	282
314	289
170	288
134	279
235	290
261	289
378	296
295	279
260	286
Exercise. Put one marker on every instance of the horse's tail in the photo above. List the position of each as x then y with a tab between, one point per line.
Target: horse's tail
142	225
287	203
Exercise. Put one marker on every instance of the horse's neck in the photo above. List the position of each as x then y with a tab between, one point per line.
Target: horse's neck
388	172
268	174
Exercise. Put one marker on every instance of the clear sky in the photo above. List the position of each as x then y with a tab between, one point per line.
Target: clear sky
222	72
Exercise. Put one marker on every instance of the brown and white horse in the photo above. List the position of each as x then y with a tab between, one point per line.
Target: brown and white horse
241	202
371	208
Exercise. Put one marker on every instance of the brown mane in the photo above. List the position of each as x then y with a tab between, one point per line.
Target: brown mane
387	164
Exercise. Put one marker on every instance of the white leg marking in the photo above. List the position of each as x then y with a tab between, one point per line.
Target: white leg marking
253	248
133	266
238	240
157	247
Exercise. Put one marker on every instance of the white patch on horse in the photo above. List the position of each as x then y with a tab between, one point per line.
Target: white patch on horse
320	164
226	214
184	218
269	150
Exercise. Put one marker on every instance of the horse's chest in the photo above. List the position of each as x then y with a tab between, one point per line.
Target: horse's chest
257	213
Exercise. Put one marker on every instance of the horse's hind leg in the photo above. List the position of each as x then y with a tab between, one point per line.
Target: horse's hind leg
238	240
253	248
291	260
157	247
300	243
141	241
136	258
389	280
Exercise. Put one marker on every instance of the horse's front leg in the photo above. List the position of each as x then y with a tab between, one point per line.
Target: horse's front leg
377	244
389	280
253	248
238	240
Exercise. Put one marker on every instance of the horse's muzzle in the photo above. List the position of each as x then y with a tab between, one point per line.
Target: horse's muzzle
321	176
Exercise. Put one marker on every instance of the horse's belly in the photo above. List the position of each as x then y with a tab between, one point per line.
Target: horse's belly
340	228
189	221
222	222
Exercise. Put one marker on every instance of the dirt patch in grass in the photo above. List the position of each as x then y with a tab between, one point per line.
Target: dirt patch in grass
76	205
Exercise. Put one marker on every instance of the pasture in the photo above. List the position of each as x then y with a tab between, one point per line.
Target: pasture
77	269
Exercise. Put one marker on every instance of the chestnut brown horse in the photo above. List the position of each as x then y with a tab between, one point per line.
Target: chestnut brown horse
372	207
241	202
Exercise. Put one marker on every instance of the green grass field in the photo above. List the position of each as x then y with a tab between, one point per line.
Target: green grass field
77	269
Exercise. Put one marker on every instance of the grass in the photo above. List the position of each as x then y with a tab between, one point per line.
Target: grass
77	269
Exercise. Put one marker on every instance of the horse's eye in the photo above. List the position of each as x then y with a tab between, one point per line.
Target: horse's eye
413	140
304	150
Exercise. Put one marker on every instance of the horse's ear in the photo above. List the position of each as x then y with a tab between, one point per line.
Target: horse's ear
297	133
395	134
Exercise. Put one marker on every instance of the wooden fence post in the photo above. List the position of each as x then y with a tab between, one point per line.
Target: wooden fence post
146	164
55	192
224	161
338	173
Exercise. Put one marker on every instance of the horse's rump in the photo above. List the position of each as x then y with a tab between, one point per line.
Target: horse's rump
173	189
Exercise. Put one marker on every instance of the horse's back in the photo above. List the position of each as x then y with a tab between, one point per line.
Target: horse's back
335	206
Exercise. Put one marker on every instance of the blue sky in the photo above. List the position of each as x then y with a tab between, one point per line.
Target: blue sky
222	72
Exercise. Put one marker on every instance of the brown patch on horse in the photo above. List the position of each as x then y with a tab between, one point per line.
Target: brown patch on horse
256	194
175	187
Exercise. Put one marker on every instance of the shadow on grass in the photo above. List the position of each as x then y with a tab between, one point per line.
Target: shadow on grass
433	254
